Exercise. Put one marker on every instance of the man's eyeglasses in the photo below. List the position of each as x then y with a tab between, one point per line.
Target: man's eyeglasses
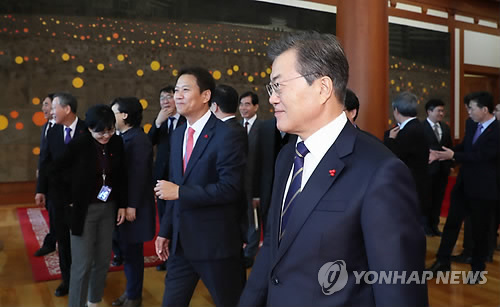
105	133
275	87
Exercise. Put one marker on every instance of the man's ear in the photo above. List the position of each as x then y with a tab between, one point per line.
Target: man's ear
125	115
206	95
326	89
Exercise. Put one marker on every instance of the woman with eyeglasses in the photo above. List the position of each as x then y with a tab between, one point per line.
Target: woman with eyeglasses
140	214
94	165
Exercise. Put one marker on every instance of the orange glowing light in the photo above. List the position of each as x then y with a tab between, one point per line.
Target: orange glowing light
14	114
115	35
38	119
35	101
19	126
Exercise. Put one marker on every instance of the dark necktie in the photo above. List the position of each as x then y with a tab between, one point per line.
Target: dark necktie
67	138
49	126
295	185
246	127
478	133
436	132
171	124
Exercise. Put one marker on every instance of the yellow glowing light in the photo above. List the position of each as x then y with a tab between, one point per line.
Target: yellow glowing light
35	101
236	68
390	122
395	65
65	57
108	38
19	60
4	122
100	67
36	151
120	57
175	72
155	65
147	127
229	72
392	82
216	74
398	88
263	75
250	78
424	90
144	103
202	46
409	84
153	42
52	51
140	72
80	68
443	84
268	71
77	82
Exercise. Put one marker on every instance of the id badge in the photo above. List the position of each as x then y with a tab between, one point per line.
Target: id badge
104	193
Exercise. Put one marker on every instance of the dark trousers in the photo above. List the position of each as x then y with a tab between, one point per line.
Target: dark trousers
50	239
133	256
222	277
479	211
160	204
62	233
437	189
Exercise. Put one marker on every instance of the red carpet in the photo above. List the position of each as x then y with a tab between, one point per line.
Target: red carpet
34	226
446	201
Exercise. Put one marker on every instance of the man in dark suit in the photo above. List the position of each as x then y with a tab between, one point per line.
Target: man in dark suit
49	243
476	189
271	140
408	142
200	230
68	127
166	122
438	135
248	106
335	194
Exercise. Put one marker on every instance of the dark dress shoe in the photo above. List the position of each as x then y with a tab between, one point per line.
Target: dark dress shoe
248	262
62	290
162	267
133	303
439	266
44	250
120	301
461	258
117	261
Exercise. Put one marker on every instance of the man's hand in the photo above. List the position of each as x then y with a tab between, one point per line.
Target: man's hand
163	116
433	156
446	154
40	199
130	214
120	217
394	132
166	190
161	246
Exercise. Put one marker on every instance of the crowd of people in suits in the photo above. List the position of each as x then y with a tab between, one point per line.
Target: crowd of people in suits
316	186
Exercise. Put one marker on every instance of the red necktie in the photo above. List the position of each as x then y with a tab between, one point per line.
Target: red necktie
189	147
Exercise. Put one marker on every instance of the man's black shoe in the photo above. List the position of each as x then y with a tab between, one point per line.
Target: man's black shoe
462	258
162	266
44	250
439	266
117	261
62	290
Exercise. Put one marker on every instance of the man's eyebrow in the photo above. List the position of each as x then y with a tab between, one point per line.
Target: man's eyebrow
275	77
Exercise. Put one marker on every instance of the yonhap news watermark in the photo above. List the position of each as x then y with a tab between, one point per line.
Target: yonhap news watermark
333	277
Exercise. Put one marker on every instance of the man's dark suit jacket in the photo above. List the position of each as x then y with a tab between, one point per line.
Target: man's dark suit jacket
478	173
252	185
43	138
365	214
53	149
139	161
161	138
410	145
436	167
234	124
79	161
206	217
270	144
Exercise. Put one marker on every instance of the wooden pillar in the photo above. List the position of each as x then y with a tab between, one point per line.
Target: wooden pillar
363	30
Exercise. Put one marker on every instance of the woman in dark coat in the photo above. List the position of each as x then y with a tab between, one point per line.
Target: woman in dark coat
140	212
94	165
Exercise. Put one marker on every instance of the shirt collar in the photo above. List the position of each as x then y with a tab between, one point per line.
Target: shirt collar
227	118
251	120
320	141
403	124
432	123
73	125
200	123
488	122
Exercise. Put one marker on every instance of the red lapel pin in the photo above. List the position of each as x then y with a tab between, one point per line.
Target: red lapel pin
332	172
206	136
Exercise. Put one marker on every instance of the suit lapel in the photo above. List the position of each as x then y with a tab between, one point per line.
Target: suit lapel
318	184
486	132
205	137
